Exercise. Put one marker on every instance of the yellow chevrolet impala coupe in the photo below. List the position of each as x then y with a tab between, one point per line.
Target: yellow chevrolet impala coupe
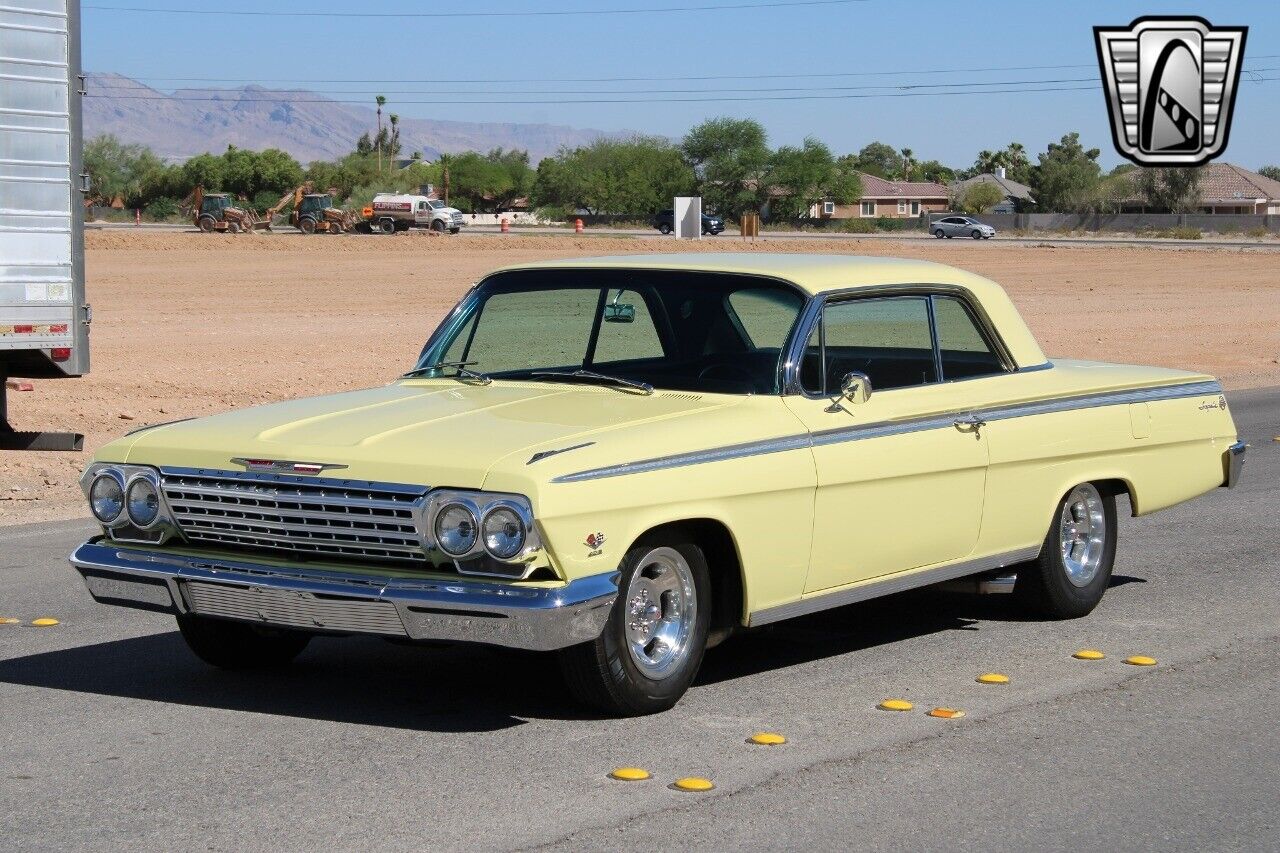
624	460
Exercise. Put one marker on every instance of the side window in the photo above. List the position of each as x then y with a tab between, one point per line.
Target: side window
887	339
965	350
766	315
627	331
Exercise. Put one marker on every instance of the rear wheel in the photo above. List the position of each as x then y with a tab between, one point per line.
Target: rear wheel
387	226
937	232
239	645
653	643
207	224
307	226
664	228
1073	570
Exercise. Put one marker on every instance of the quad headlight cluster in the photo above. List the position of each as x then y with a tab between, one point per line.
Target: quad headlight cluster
127	500
465	526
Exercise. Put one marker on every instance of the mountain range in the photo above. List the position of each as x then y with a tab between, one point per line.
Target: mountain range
180	124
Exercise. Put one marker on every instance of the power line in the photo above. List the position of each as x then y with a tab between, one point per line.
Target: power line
538	13
862	95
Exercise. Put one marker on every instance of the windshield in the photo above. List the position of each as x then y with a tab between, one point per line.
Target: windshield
436	204
704	332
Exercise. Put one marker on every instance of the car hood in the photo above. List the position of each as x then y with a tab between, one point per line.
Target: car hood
427	432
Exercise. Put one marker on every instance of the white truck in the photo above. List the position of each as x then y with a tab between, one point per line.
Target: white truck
44	319
394	212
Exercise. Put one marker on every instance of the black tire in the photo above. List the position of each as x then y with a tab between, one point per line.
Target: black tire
239	645
603	674
206	224
977	235
454	230
1044	587
664	228
387	226
438	226
233	227
307	226
938	233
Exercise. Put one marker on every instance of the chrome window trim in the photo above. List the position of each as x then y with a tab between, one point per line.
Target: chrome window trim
880	429
813	314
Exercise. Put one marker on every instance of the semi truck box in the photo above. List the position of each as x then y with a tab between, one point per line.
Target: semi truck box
44	318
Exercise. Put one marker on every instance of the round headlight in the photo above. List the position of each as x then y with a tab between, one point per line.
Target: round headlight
456	529
504	533
143	502
106	498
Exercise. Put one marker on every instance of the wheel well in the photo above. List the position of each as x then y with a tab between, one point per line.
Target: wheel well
724	566
1116	488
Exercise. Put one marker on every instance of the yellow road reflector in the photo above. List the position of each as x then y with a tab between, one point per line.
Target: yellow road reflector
993	678
1140	660
630	774
9	620
44	622
1089	654
767	739
895	705
947	713
693	783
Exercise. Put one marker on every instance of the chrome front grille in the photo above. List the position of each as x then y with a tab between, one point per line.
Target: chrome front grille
294	609
343	520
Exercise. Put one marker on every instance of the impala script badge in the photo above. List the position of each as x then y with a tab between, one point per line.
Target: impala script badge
1171	86
277	466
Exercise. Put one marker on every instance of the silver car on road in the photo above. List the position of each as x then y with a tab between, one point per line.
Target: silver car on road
961	226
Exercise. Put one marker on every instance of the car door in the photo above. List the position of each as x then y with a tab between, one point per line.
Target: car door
901	476
952	225
422	213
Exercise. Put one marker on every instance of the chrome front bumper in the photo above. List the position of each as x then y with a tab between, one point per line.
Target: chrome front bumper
523	617
1232	463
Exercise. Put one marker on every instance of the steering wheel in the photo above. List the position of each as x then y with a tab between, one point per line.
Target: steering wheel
733	371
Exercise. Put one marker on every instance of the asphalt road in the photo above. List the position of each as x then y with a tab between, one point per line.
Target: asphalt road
114	736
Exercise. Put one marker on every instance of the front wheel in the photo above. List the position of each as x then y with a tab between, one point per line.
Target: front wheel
307	226
977	235
652	645
1073	570
664	229
239	645
437	227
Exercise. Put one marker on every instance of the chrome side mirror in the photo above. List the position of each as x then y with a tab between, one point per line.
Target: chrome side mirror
855	388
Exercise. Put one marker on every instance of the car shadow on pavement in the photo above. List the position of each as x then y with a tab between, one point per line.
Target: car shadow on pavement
354	680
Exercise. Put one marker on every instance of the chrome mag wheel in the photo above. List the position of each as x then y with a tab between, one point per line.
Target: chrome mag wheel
1082	532
660	609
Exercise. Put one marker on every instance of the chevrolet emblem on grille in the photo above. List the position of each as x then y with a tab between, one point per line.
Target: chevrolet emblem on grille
278	466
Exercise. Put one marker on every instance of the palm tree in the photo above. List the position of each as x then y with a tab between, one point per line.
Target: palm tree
987	161
381	101
394	144
445	161
908	163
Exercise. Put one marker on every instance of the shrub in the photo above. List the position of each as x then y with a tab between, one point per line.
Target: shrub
1258	232
161	209
858	226
1184	232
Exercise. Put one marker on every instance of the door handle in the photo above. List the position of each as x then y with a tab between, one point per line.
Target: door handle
970	422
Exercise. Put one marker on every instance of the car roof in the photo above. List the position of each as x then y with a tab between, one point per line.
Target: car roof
819	274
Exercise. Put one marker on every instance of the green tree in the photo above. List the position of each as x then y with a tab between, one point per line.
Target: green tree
381	101
515	165
729	157
1067	176
1272	172
637	176
932	170
980	198
908	163
800	177
131	173
1174	190
879	159
204	170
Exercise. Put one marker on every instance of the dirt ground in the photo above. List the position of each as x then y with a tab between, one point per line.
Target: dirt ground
189	324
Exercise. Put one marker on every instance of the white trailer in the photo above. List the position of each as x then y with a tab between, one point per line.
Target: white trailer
44	318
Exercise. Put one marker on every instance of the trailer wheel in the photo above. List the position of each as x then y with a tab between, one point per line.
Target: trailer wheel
206	224
387	226
307	226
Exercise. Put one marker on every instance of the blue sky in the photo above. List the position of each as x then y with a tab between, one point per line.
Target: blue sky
872	36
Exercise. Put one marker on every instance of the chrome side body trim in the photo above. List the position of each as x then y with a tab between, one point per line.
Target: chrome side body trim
886	428
534	618
899	582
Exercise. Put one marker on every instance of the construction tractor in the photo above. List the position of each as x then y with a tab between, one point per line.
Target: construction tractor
219	212
312	211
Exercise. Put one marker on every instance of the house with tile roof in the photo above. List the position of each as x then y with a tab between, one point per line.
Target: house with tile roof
1017	197
892	199
1228	188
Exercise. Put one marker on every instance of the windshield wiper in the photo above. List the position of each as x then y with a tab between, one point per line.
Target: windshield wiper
592	376
460	366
